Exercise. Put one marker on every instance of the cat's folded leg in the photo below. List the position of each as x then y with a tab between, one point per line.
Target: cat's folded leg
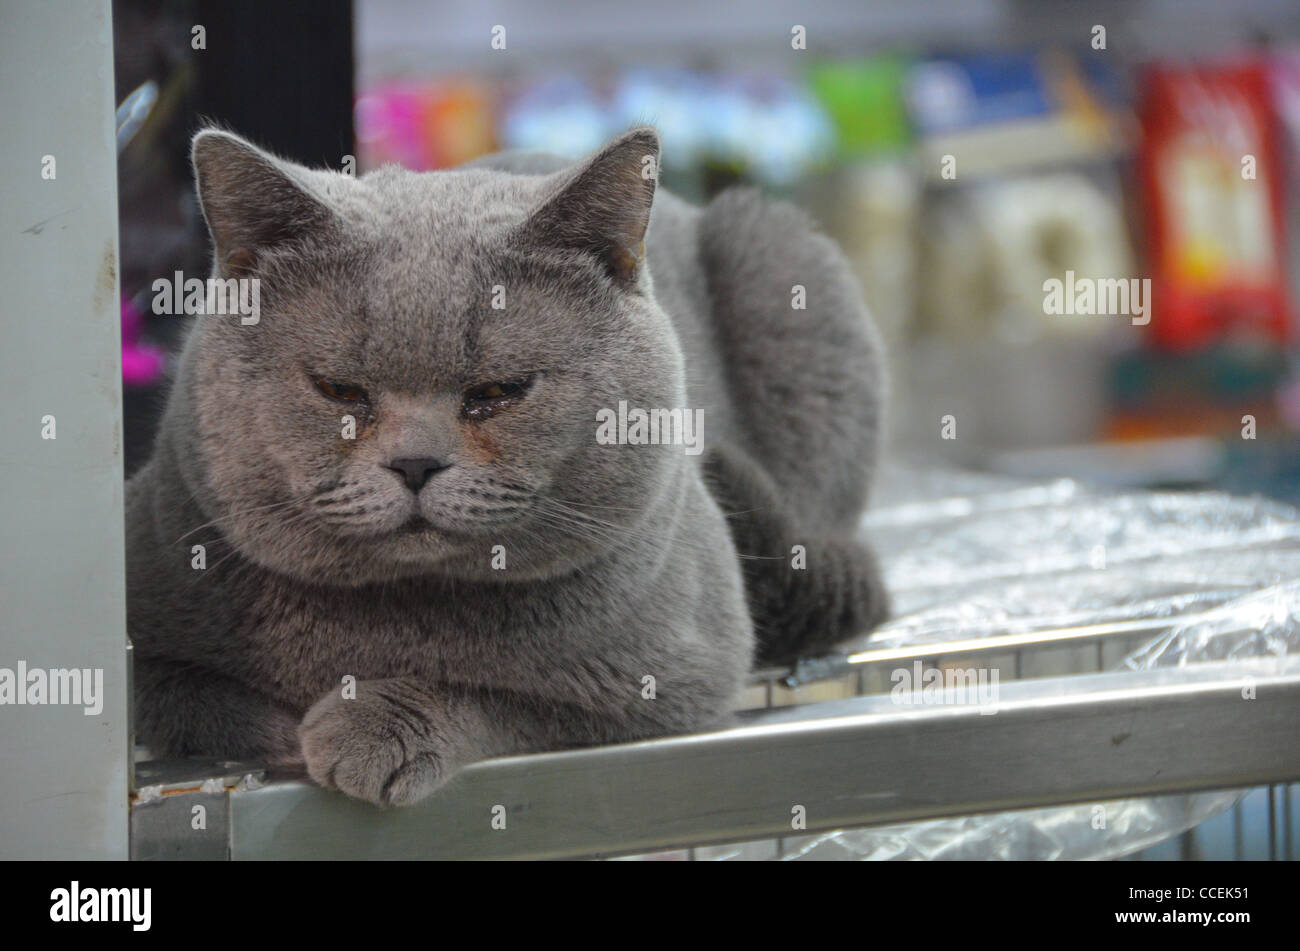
395	741
807	588
182	709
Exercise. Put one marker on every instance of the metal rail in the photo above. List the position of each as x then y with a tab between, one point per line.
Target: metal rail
812	669
862	761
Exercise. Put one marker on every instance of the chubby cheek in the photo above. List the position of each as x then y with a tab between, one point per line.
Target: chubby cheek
305	467
480	444
311	447
523	442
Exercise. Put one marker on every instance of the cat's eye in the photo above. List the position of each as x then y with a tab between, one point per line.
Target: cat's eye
487	398
339	391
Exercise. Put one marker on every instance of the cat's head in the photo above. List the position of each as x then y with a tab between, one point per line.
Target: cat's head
423	379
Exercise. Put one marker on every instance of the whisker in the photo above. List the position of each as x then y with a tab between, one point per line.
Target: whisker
243	512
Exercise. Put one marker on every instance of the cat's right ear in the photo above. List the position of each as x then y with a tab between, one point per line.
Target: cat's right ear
251	201
604	209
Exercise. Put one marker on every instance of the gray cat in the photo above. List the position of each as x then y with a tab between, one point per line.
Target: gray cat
471	571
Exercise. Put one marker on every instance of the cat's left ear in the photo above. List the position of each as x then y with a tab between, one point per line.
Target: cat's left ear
604	209
252	201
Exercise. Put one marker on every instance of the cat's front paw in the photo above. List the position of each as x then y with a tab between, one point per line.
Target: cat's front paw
378	746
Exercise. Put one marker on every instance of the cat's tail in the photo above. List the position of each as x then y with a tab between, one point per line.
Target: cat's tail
807	590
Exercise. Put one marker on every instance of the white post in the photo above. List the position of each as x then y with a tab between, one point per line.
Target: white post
65	755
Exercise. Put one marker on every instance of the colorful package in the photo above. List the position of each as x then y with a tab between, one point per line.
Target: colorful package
1211	175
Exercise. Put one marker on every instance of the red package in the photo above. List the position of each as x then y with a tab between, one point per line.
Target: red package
1211	176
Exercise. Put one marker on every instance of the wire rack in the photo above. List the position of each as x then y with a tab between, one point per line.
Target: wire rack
1265	811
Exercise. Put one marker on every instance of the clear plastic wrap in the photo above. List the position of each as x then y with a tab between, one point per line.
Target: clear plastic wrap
967	556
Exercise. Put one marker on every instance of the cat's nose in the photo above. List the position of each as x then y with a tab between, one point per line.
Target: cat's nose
416	472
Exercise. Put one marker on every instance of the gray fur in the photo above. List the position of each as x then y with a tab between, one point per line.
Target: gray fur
620	563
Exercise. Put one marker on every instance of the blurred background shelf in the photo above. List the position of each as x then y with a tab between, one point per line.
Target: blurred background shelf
961	153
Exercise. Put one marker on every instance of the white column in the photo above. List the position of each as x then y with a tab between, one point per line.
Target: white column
63	773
